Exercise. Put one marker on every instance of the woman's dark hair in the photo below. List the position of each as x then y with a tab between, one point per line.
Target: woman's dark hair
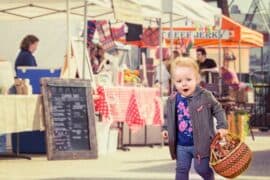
27	41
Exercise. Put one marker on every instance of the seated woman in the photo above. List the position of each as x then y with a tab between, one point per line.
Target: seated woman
229	77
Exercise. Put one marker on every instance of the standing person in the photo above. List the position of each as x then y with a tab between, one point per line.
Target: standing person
162	77
28	47
93	59
189	124
97	55
205	64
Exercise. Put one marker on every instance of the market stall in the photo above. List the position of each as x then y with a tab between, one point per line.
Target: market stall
230	45
239	34
106	10
46	10
231	35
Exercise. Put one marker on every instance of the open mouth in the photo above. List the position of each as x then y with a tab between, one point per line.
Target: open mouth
185	90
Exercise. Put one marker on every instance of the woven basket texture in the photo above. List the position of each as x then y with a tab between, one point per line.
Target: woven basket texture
235	163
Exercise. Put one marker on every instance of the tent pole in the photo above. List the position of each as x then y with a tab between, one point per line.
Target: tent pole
171	41
161	55
219	62
239	63
160	66
68	37
171	34
219	47
84	38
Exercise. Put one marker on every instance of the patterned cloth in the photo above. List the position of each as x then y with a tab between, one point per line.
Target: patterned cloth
150	37
157	118
117	33
142	105
185	132
133	118
105	36
101	104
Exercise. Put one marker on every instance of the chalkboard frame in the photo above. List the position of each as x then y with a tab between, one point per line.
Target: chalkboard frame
49	126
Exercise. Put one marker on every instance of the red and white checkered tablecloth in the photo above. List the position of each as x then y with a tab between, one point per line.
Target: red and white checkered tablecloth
133	115
134	105
101	104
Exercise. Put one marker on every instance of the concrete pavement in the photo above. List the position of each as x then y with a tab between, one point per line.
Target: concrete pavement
138	163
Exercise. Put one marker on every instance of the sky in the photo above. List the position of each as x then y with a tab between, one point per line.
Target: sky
244	4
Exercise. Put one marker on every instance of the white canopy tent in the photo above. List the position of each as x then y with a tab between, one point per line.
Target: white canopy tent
90	9
198	11
96	9
136	11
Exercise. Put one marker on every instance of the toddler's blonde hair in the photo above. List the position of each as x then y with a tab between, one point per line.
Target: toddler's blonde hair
185	62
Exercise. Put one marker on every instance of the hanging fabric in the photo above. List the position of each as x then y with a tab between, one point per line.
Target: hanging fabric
134	32
105	36
150	37
118	33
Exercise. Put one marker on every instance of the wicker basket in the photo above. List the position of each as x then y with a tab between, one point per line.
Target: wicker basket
235	162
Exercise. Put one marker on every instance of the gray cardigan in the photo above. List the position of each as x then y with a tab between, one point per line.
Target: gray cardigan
202	107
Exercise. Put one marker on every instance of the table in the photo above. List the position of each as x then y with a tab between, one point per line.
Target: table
135	106
19	113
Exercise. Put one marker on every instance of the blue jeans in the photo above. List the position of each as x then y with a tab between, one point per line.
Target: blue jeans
183	164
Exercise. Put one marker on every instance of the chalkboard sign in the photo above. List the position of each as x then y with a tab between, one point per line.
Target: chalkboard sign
69	119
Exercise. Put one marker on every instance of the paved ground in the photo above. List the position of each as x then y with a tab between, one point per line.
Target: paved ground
139	163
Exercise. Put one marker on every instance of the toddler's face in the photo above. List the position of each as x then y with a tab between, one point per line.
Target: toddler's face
185	80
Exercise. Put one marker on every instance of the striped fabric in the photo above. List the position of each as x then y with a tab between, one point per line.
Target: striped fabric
105	36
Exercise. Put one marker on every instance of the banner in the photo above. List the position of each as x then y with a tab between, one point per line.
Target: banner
178	34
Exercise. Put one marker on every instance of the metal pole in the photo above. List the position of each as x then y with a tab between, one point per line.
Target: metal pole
84	38
68	38
219	47
239	63
160	67
171	33
219	62
171	42
262	67
260	3
161	55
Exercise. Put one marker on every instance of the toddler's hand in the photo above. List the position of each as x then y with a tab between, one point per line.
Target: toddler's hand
165	134
222	132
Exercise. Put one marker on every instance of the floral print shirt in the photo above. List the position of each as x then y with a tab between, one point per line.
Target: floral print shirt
184	126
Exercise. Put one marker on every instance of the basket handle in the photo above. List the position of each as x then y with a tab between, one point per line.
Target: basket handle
213	156
215	140
218	137
215	145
